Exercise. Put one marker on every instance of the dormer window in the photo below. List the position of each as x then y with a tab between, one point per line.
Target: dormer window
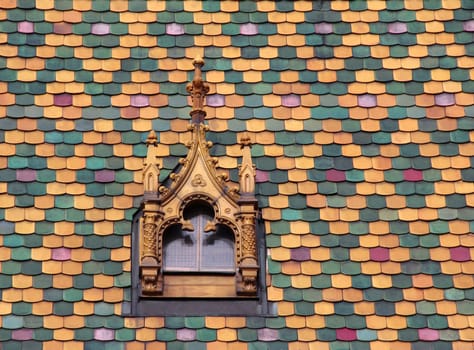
197	235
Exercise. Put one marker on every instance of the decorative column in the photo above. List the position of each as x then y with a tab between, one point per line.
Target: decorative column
150	259
248	265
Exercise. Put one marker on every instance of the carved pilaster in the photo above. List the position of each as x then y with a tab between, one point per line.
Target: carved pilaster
150	262
248	267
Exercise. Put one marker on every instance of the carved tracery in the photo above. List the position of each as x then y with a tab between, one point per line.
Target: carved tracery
197	180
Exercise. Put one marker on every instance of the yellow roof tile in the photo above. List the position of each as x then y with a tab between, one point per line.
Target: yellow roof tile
154	322
5	308
468	267
352	295
145	334
369	16
332	294
405	308
320	254
22	281
219	41
463	281
364	308
324	308
301	281
341	281
458	321
310	267
294	175
62	281
215	322
40	254
433	294
306	334
73	40
43	308
274	294
315	200
71	268
202	18
288	28
301	50
376	322
356	202
7	201
387	335
220	17
280	254
291	267
349	215
390	268
104	77
63	334
316	322
343	52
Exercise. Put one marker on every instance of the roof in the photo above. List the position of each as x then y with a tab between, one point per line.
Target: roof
361	118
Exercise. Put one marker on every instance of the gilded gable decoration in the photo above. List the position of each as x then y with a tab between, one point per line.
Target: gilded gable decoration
198	226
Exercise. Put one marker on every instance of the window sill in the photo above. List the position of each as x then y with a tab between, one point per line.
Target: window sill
202	307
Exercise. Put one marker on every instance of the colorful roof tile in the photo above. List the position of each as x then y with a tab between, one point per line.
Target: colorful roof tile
361	119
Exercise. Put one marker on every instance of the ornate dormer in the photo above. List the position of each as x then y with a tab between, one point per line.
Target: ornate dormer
197	234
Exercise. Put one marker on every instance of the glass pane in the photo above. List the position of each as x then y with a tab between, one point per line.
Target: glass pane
180	251
217	250
199	250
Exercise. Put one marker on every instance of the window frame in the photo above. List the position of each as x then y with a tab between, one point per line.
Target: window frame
199	213
257	305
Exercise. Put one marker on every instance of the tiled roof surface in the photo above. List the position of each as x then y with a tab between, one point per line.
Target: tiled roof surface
361	114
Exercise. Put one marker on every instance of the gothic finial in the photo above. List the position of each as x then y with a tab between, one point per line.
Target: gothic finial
151	170
198	90
245	140
246	169
152	139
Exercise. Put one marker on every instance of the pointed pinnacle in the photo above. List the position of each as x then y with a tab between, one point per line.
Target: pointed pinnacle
151	139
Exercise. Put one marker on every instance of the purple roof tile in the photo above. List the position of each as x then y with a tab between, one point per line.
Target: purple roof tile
26	175
61	254
428	334
174	29
105	176
301	254
215	100
291	100
379	254
100	28
62	28
323	28
460	254
261	176
412	175
397	27
63	100
335	175
367	100
26	27
186	334
469	26
104	334
22	334
346	334
267	334
248	29
140	101
445	99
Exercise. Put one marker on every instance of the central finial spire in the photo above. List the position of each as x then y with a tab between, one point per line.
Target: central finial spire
198	90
